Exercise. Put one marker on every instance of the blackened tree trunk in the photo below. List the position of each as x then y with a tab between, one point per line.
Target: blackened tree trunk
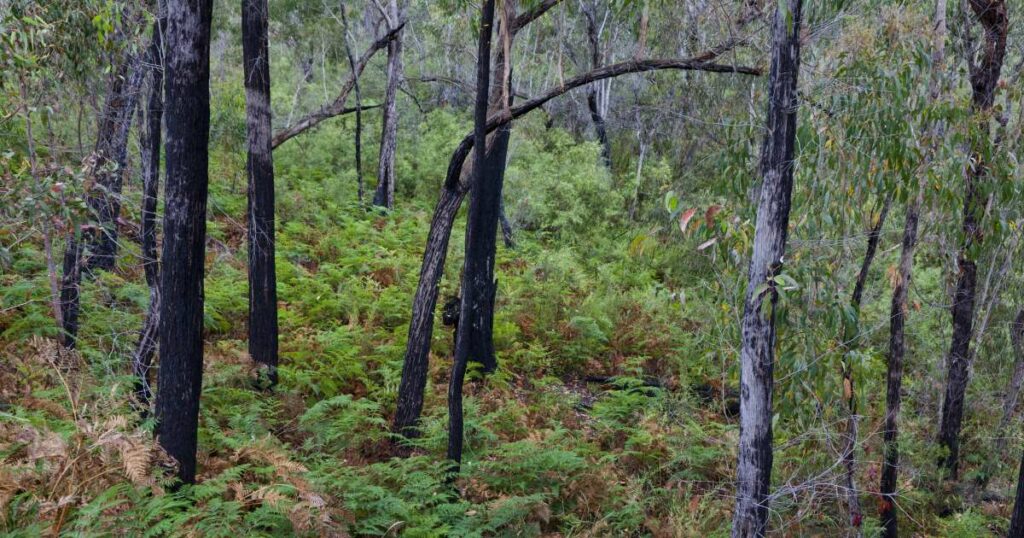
984	77
753	474
106	203
850	341
894	370
898	308
385	193
593	104
483	209
95	245
150	139
260	167
187	122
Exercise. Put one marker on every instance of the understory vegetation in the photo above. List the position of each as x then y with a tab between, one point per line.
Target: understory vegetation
614	409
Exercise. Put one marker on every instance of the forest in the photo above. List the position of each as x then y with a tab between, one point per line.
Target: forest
533	268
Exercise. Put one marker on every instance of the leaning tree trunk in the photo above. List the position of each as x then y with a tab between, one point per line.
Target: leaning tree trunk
483	206
984	77
850	341
385	193
260	167
753	473
187	121
149	141
96	246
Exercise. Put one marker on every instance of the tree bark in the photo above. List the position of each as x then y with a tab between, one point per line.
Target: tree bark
984	77
263	338
753	474
484	201
150	140
187	121
850	341
454	189
385	194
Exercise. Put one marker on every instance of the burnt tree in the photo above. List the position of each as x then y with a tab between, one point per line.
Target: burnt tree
149	143
187	124
263	338
984	76
483	206
757	353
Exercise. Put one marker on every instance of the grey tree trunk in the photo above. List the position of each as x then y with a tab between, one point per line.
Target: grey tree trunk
385	194
984	77
1013	389
757	357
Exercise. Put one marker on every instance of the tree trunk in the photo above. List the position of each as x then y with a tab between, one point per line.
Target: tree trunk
150	140
385	194
600	127
100	240
260	167
850	341
984	77
483	208
113	148
753	474
898	308
359	106
894	375
187	121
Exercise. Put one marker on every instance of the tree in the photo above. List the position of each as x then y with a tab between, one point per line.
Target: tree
149	143
984	77
483	209
260	169
757	354
385	193
187	123
1017	519
108	166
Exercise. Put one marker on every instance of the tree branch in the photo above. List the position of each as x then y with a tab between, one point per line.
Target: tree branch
609	71
526	18
337	107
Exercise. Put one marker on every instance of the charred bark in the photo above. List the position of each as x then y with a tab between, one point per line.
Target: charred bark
263	337
385	193
149	141
753	474
984	77
187	123
1017	519
484	201
600	126
358	107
